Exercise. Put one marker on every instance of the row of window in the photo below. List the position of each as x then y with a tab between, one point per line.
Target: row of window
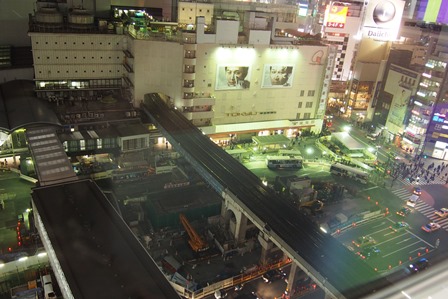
306	115
133	144
200	10
307	104
76	71
82	43
76	57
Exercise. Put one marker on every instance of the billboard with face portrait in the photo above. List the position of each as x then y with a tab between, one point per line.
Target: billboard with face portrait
232	77
277	76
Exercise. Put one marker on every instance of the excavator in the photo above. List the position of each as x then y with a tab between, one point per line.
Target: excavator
196	242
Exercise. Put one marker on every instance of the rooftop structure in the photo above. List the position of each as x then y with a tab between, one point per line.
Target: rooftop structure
91	247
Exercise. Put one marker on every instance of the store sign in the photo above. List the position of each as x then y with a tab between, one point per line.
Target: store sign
382	19
336	15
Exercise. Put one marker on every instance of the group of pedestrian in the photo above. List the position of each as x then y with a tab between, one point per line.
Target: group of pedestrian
416	171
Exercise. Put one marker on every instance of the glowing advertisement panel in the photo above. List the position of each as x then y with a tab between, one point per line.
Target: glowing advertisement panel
382	19
277	76
336	15
232	77
399	106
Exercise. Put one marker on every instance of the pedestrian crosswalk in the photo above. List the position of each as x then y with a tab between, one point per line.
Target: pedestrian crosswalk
429	212
422	207
402	193
422	181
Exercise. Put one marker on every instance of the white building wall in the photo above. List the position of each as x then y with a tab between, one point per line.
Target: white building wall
188	11
257	103
77	56
227	31
158	68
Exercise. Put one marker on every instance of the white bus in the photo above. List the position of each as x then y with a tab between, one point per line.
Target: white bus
350	172
279	162
286	152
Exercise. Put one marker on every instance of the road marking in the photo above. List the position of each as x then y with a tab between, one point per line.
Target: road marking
390	253
421	239
374	187
404	240
420	248
391	239
379	225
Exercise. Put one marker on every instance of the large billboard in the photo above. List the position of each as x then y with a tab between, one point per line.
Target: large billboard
232	77
336	15
277	76
382	19
399	106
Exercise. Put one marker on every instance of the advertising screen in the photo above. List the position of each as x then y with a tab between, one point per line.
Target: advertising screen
277	76
382	19
232	77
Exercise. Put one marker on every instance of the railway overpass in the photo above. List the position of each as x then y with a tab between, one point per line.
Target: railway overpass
332	266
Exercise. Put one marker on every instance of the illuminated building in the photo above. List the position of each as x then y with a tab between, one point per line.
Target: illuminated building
191	64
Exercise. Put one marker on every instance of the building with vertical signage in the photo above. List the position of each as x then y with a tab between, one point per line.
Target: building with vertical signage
341	26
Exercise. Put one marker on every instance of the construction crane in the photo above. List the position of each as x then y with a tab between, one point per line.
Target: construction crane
195	241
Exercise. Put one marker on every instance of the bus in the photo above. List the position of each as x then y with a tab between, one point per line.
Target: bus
286	152
132	174
350	172
279	162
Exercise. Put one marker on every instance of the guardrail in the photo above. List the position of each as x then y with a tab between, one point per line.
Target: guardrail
227	283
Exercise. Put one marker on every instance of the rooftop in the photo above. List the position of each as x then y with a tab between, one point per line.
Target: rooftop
94	247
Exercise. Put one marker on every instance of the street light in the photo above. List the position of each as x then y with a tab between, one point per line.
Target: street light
347	128
309	150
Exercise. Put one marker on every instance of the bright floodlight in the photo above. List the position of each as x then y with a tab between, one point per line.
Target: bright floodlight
22	259
347	128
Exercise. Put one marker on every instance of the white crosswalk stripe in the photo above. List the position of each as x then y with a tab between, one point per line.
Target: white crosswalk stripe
421	206
402	193
429	212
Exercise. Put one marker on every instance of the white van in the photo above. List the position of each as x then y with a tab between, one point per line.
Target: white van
412	201
47	284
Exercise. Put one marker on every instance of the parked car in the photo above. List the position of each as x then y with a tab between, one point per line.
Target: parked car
419	265
398	226
369	252
364	241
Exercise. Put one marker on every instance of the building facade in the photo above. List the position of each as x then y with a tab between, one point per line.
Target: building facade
223	80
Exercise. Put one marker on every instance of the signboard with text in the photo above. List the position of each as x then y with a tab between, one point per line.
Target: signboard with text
336	15
382	19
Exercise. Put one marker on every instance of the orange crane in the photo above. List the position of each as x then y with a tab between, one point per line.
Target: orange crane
195	241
